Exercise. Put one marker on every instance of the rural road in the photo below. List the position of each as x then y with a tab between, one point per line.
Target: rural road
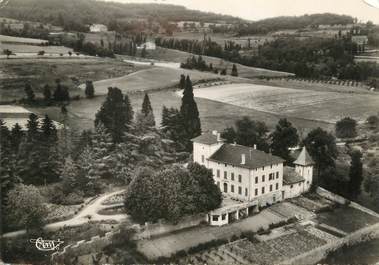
91	210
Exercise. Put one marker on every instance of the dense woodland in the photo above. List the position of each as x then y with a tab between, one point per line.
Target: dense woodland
286	22
78	14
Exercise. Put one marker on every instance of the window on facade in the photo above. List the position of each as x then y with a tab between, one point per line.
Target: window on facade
263	190
215	218
218	173
277	186
225	187
225	164
256	192
225	175
270	187
246	192
202	159
291	186
263	178
299	184
232	188
270	166
218	184
277	174
232	176
239	190
239	178
263	168
256	179
223	217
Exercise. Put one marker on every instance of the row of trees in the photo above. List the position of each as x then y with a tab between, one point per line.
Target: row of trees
200	64
311	58
60	94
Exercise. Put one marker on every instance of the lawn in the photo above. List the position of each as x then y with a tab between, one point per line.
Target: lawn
243	71
325	106
152	78
15	73
4	38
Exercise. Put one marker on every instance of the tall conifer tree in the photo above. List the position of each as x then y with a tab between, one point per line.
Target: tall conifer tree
116	114
190	113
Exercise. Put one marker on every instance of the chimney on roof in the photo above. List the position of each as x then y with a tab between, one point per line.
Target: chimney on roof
255	147
251	153
243	159
214	132
218	137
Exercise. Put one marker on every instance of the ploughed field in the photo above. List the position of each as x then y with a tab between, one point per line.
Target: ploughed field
326	106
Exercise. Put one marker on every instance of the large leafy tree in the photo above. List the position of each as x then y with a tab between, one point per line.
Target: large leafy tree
170	194
190	113
284	137
355	174
25	207
346	128
210	196
321	145
116	114
248	133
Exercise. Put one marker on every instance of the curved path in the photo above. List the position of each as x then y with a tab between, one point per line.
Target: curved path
89	212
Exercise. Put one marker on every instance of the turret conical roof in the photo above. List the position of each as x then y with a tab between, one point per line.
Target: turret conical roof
304	158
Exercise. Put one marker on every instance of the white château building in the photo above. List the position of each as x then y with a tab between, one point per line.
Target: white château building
249	176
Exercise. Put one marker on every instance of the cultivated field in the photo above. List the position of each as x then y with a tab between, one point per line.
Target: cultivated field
312	105
243	71
24	48
15	73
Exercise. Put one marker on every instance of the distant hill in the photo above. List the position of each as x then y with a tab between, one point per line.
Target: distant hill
74	14
294	22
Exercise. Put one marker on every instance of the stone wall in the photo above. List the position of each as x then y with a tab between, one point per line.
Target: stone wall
146	231
331	196
83	247
362	235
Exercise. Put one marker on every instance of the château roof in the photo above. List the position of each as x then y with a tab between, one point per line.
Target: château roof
304	159
290	176
206	138
232	154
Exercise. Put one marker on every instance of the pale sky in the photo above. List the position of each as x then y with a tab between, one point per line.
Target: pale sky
259	9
